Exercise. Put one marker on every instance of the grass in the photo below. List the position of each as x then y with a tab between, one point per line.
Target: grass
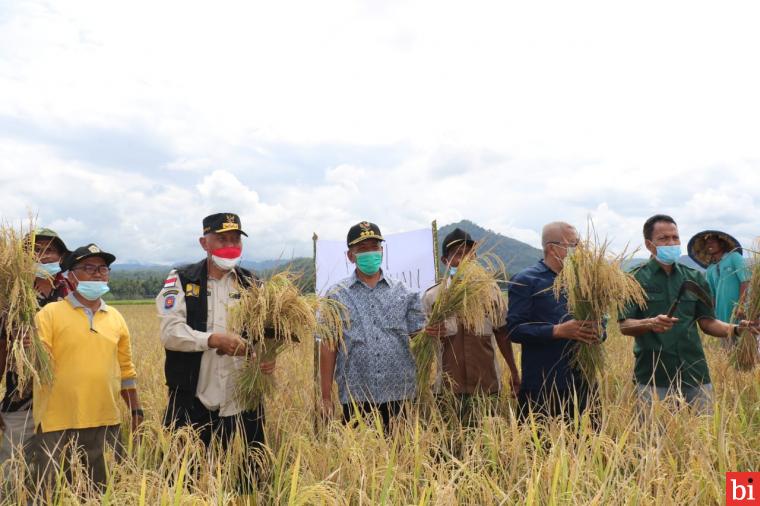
272	315
596	287
745	354
669	458
131	302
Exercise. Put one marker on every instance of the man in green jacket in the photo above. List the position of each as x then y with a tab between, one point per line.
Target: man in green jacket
669	358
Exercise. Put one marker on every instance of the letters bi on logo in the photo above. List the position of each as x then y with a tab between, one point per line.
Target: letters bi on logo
743	489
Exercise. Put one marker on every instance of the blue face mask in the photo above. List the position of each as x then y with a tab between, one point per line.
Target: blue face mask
92	290
369	262
48	270
452	271
668	255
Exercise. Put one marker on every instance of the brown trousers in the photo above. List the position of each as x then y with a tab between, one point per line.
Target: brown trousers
49	447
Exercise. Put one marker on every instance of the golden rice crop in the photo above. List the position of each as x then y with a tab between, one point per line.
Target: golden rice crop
27	356
672	456
596	287
473	296
272	315
745	354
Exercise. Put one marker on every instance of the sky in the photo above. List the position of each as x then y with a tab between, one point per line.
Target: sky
126	123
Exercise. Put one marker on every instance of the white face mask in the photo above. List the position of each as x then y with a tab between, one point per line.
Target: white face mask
226	258
226	264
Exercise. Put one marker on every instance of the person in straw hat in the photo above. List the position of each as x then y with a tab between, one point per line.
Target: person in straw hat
16	421
727	274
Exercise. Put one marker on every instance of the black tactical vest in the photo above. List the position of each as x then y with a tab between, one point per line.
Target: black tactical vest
182	367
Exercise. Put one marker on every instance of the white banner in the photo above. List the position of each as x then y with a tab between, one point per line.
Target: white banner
407	257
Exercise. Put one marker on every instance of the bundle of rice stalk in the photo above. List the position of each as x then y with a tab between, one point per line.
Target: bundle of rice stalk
272	315
596	287
27	356
473	296
745	354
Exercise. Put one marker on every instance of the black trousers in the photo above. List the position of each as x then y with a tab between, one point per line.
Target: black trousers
387	410
186	409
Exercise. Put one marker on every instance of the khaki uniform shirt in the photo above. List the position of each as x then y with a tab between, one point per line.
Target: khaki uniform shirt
217	377
467	361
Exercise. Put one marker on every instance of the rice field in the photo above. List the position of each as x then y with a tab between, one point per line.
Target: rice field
669	457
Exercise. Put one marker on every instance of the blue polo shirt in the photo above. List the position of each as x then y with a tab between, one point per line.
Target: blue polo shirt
533	312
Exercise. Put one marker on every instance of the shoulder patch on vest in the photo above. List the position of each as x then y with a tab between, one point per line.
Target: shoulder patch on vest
169	301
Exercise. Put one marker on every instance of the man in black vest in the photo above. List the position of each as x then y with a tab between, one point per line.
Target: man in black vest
202	357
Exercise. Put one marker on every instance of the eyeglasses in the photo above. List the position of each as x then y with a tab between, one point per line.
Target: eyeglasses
92	269
570	245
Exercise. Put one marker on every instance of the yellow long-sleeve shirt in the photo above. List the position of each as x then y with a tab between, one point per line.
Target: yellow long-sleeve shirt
92	363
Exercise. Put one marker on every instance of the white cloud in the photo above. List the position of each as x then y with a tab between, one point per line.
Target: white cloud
510	114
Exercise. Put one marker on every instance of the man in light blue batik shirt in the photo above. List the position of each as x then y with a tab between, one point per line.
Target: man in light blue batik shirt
373	367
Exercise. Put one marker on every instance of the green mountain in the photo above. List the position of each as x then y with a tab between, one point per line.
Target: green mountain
516	255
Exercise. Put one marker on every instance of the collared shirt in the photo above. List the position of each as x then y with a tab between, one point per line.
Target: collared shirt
676	356
92	363
374	363
467	361
217	377
725	278
533	313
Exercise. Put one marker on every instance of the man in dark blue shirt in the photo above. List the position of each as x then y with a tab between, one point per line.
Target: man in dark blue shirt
543	327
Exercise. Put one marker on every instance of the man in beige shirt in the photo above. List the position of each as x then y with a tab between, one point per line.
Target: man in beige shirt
468	364
202	356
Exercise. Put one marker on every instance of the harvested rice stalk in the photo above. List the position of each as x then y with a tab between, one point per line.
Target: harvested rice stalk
745	354
473	296
27	356
596	286
272	315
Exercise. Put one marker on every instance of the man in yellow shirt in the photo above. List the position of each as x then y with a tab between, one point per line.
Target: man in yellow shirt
92	366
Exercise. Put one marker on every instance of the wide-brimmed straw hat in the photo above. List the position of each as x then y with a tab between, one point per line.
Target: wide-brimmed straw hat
697	247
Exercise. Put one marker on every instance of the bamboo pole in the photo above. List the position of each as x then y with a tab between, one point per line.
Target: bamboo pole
314	239
436	260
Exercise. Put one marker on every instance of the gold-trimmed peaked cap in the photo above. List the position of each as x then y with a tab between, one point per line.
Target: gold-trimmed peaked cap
222	222
362	231
82	252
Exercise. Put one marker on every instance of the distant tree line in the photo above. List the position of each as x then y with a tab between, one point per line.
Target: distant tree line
135	284
145	284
